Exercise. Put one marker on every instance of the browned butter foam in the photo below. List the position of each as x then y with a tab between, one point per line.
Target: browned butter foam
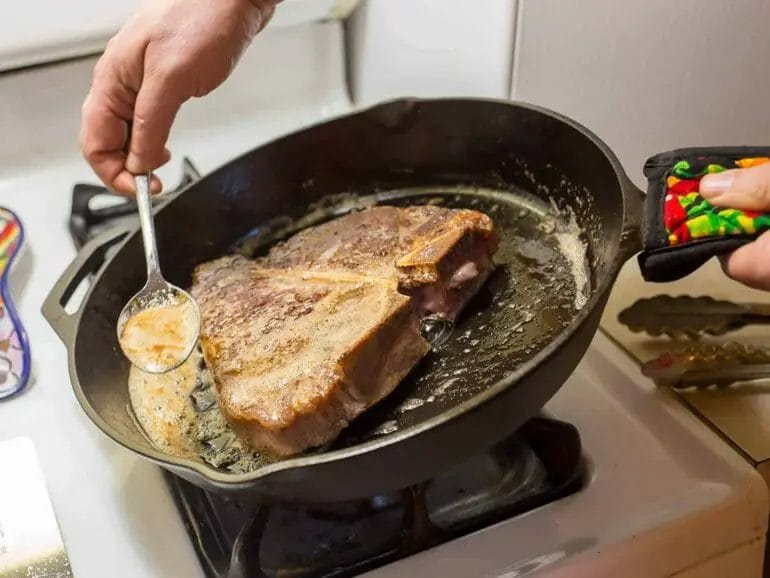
158	338
179	413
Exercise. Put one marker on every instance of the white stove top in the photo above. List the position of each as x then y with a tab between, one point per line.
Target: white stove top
658	476
659	482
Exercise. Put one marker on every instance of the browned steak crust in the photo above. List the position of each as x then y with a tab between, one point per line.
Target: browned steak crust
424	247
303	340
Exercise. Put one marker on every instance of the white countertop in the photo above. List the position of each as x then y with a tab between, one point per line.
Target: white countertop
110	505
741	412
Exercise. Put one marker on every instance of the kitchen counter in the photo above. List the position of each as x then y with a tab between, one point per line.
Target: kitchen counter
740	413
116	516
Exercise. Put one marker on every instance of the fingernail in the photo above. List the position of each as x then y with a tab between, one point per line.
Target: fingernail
716	184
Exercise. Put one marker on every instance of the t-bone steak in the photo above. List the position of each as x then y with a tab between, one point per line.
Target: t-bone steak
302	341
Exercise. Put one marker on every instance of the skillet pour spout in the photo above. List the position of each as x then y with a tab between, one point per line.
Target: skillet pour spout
531	158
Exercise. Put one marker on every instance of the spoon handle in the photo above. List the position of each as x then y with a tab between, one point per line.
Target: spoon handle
144	202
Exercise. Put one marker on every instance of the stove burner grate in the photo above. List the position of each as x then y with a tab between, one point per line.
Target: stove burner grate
96	209
539	464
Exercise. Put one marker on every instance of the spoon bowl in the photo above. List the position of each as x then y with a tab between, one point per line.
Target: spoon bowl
159	326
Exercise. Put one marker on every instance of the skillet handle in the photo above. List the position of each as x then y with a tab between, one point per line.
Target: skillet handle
681	230
88	261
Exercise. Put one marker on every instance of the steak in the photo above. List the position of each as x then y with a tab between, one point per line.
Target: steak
303	340
439	256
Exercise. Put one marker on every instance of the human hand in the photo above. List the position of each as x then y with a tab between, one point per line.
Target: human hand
746	189
167	53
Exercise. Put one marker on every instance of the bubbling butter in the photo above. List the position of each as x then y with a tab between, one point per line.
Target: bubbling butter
161	337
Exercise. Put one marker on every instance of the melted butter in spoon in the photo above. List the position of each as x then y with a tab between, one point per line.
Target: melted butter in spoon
158	338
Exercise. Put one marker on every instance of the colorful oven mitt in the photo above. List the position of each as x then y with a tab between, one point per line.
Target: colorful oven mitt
682	230
14	347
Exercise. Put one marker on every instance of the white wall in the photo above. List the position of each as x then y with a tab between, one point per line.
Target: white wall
430	48
649	76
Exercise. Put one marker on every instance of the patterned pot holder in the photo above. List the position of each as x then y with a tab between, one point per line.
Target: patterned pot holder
682	230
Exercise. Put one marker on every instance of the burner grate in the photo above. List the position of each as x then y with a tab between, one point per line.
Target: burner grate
539	464
96	209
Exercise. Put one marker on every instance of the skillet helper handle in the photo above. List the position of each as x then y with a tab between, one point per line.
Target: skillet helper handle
682	231
89	260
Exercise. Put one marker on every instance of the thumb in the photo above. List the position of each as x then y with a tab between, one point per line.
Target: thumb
746	189
750	264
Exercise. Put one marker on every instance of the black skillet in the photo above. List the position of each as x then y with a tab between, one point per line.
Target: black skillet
517	343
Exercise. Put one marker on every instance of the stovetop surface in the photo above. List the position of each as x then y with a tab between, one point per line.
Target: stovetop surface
540	463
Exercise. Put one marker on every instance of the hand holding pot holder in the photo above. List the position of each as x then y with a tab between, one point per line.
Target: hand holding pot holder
682	230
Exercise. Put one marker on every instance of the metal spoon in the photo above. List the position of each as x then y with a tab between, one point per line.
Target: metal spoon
159	326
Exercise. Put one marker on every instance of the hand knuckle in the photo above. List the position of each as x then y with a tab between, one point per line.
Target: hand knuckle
112	45
100	68
87	142
764	190
88	150
171	67
758	181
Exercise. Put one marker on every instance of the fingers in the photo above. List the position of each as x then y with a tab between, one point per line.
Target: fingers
749	190
168	52
746	189
103	129
751	264
157	104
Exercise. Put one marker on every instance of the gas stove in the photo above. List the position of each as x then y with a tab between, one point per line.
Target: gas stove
654	493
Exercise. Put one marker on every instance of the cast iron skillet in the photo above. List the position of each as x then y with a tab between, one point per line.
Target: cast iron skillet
408	151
